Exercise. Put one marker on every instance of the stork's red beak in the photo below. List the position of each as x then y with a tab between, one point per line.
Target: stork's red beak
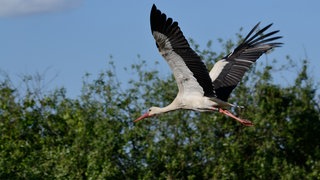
142	117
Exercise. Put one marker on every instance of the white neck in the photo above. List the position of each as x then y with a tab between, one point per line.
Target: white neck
171	107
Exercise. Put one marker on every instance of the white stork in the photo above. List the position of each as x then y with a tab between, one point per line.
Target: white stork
198	89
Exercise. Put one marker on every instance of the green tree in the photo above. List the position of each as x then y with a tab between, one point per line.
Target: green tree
46	135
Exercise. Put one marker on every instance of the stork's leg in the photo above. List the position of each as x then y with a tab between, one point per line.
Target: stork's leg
242	121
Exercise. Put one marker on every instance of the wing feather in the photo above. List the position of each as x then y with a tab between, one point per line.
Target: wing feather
228	72
189	70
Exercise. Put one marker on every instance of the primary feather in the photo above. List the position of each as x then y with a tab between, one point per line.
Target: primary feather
189	70
228	72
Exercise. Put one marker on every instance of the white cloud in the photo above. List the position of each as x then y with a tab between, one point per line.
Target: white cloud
26	7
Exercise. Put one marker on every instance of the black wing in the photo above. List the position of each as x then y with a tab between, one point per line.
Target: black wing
227	73
174	47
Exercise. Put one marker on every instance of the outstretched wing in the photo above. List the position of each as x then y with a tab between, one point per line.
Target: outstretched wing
189	71
227	73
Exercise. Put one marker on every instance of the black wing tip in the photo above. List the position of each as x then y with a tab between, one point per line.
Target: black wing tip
276	44
154	9
266	28
154	12
259	37
156	17
160	22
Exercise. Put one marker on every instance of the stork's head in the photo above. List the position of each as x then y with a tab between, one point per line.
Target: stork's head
151	112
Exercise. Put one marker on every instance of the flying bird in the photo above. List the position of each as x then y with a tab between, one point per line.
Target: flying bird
200	90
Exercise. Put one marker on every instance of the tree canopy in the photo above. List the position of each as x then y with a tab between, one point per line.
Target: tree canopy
46	135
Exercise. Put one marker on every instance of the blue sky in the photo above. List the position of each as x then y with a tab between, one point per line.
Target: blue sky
64	39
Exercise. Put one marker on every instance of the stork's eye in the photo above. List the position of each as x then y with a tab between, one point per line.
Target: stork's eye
149	110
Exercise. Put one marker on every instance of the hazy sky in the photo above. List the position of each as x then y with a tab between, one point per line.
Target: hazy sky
64	39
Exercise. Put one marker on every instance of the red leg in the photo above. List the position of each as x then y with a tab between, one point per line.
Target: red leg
242	121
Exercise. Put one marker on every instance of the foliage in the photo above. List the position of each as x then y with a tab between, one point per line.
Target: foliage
51	136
